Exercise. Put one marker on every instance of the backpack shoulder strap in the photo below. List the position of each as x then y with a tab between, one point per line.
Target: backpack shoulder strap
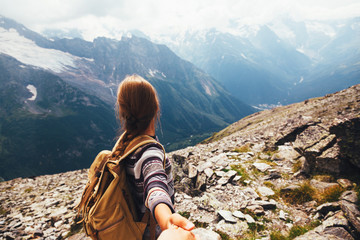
136	143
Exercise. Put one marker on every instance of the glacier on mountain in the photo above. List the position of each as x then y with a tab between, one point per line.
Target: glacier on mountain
27	52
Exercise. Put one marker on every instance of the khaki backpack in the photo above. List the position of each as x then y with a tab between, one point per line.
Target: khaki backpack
106	207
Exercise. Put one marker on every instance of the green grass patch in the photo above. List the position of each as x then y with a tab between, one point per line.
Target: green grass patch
295	231
241	171
200	224
277	236
304	193
185	214
269	184
243	149
297	166
28	190
3	211
224	236
331	194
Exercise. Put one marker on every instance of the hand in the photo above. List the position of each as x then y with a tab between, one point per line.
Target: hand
177	221
176	234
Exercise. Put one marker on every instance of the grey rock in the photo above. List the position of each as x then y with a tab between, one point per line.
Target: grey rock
201	182
339	232
249	219
227	216
223	181
265	204
256	209
326	231
352	213
345	183
237	178
322	185
273	175
230	174
204	234
208	172
204	166
263	167
350	196
192	171
265	191
283	215
327	207
219	160
219	173
239	215
250	193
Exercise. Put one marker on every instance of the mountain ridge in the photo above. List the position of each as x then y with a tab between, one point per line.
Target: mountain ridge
193	104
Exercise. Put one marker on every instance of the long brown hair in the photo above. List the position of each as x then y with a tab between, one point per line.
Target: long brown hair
137	105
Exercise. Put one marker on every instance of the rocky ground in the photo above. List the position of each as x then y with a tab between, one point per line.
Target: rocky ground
290	172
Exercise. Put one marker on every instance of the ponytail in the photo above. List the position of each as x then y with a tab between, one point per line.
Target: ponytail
137	105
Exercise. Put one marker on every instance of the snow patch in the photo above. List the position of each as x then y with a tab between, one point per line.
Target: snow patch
266	106
112	92
155	72
33	90
207	90
27	52
301	50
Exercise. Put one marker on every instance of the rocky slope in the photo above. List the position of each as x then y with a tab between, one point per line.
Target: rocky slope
277	174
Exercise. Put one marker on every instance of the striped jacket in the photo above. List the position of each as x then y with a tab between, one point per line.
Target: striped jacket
149	183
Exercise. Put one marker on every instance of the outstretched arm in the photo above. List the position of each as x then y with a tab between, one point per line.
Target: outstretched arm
166	219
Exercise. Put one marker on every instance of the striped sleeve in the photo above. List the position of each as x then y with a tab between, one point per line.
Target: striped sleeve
158	183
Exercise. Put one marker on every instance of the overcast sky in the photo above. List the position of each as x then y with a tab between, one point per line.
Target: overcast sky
99	17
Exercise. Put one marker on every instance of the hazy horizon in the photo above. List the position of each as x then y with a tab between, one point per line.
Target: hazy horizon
160	17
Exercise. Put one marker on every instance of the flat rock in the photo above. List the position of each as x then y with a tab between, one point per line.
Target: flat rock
250	193
352	213
265	204
322	185
327	207
345	183
192	171
283	215
262	167
227	216
204	234
265	191
256	209
350	196
209	172
249	219
203	166
239	215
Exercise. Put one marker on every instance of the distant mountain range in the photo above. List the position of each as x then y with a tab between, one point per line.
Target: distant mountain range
278	63
57	98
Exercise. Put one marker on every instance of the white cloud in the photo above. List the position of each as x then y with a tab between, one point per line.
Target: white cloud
104	17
